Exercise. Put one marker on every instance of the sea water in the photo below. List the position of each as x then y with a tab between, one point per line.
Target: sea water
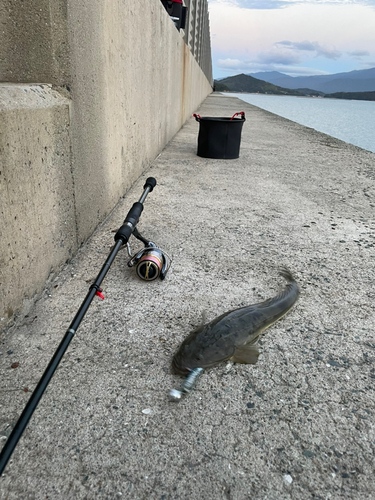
348	120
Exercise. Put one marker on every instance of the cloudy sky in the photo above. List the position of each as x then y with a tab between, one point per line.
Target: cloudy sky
305	37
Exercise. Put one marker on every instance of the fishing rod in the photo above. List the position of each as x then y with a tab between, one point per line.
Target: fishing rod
151	262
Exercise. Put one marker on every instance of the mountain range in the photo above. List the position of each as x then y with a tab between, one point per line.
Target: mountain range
352	81
247	83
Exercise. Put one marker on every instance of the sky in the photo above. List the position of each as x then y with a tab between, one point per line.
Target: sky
298	38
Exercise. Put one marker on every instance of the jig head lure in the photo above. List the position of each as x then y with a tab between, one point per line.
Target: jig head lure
187	385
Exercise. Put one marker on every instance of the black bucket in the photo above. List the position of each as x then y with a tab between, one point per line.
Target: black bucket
220	138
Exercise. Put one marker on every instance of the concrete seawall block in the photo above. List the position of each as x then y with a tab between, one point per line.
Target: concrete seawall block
134	83
37	212
34	42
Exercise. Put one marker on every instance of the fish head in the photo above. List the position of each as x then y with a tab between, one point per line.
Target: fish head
186	359
200	350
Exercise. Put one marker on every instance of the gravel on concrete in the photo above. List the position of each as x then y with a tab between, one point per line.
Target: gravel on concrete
297	425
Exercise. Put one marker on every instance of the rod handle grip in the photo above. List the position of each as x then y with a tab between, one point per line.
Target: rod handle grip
130	222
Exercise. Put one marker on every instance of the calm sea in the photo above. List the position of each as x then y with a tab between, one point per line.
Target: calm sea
350	121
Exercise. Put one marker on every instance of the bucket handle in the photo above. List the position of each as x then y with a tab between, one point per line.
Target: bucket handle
242	113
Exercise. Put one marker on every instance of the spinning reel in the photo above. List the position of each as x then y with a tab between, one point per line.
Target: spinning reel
151	262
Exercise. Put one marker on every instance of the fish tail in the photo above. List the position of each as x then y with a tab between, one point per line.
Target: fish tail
285	273
292	288
287	297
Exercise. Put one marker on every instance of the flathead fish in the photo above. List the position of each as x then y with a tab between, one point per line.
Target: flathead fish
234	335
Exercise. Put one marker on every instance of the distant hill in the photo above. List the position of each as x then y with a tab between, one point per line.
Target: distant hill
358	96
219	87
352	81
245	83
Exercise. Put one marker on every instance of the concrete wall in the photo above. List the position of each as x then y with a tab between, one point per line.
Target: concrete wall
34	41
134	83
118	82
37	216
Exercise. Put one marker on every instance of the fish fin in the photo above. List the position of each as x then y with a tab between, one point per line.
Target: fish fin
246	354
200	326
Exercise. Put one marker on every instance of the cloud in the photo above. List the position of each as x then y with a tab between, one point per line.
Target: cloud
263	4
254	4
277	56
266	35
282	54
358	54
280	4
328	52
320	50
305	45
237	66
232	64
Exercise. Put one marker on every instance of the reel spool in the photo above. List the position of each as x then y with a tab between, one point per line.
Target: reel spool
151	262
149	266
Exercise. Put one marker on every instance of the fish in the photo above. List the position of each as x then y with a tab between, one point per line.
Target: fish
234	335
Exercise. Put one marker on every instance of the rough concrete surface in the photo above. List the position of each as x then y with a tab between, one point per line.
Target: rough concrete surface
300	423
37	209
134	84
34	42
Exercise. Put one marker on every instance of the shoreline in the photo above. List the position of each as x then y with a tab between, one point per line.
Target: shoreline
310	123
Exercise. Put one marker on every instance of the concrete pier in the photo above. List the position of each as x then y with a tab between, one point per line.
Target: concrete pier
297	425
